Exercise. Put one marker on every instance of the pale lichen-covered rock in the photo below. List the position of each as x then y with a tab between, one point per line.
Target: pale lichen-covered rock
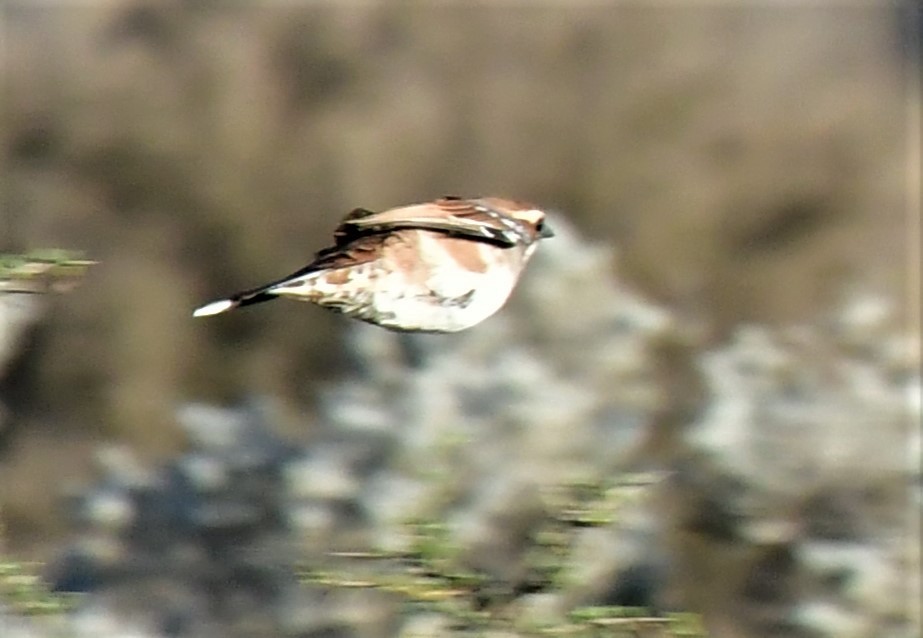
805	457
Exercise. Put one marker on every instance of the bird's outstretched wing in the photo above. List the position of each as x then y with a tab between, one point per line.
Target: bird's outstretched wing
476	219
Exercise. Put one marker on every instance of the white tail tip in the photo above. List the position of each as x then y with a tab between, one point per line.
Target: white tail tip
214	308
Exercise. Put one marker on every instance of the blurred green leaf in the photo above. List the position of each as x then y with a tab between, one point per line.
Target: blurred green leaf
40	271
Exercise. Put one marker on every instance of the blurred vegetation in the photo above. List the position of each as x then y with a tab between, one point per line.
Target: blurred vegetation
52	270
431	576
22	590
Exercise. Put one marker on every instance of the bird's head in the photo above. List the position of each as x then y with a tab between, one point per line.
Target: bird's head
534	223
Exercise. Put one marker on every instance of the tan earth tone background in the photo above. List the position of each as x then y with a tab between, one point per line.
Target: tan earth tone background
749	164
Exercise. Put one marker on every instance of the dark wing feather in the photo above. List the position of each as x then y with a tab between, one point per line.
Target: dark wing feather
350	251
469	219
347	231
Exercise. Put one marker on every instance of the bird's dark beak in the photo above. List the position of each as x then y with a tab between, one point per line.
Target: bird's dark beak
546	232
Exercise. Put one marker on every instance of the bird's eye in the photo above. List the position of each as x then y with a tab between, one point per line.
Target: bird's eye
542	230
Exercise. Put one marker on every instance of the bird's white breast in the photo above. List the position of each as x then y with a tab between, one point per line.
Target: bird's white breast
449	297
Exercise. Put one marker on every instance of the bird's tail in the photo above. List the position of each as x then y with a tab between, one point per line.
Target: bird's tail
266	292
246	298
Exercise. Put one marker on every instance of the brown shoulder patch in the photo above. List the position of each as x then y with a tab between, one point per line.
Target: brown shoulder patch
468	254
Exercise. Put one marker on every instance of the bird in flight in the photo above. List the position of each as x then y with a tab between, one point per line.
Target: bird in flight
440	266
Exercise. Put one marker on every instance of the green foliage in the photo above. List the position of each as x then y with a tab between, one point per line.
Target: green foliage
23	591
41	271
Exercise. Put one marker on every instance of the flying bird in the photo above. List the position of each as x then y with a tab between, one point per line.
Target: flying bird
440	266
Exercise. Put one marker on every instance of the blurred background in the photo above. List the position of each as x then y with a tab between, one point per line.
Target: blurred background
738	168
